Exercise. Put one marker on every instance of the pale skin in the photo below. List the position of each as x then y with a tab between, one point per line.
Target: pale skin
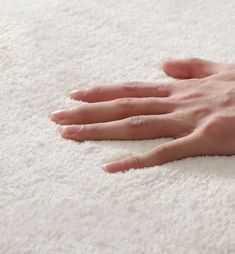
197	110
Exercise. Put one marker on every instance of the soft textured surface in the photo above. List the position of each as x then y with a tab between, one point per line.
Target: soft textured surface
54	195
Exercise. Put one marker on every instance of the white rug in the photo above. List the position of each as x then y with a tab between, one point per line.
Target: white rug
54	195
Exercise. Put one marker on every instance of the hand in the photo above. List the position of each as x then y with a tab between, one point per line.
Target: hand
198	112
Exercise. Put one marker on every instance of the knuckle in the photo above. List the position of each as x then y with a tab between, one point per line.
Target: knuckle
135	122
200	112
187	84
161	154
126	102
228	98
136	162
96	90
131	86
193	95
126	106
182	125
165	87
82	110
194	60
96	127
182	132
161	151
214	127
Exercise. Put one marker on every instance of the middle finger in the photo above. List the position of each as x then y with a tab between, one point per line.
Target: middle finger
114	110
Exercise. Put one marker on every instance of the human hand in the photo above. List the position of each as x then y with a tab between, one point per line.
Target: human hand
198	112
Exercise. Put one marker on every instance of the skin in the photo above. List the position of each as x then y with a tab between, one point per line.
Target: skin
197	110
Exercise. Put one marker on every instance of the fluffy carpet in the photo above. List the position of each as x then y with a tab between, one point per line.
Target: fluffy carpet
54	195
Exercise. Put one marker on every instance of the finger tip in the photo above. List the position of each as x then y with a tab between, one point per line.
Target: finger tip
166	62
113	167
59	116
64	132
106	167
52	117
77	94
111	171
71	132
72	94
59	128
175	68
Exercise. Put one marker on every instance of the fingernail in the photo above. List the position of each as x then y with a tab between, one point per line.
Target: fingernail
71	131
59	115
78	93
104	168
112	166
59	128
164	60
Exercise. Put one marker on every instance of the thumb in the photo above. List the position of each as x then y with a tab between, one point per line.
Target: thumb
192	68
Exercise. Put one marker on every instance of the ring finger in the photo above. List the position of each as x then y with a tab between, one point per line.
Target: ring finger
135	127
